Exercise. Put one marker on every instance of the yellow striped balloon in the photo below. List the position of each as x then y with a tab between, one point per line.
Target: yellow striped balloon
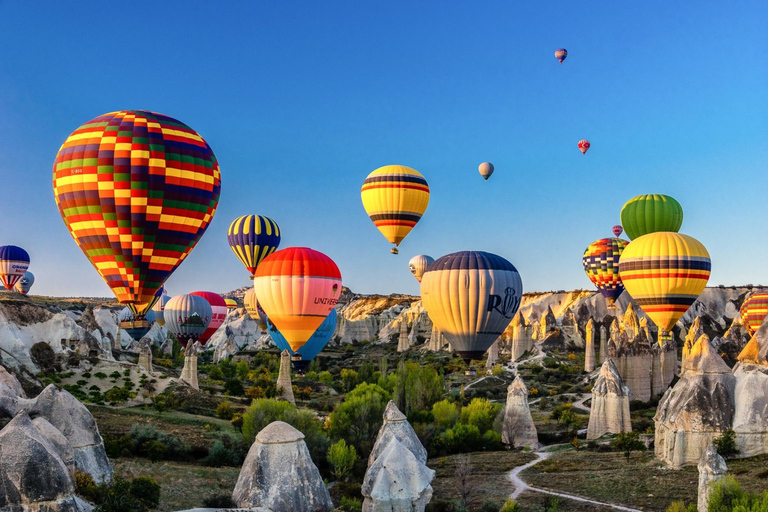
395	197
665	272
252	238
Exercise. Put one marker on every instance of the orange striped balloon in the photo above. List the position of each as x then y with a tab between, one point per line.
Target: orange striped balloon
753	311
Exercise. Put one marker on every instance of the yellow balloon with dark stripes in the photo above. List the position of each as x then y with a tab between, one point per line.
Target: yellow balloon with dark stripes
395	197
252	238
665	272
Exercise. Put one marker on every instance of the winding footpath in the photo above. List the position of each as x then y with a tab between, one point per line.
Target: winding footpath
521	486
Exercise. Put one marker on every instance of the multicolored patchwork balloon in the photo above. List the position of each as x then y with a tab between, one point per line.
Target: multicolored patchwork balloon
753	311
297	288
395	197
665	273
136	190
561	54
252	238
218	314
601	263
14	261
649	213
584	146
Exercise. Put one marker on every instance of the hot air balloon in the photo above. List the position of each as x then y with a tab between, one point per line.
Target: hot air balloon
664	273
617	230
471	297
252	238
561	54
14	261
187	317
254	310
218	314
136	327
137	190
231	304
395	197
314	345
584	146
418	265
601	263
24	284
650	213
753	311
485	169
297	288
159	307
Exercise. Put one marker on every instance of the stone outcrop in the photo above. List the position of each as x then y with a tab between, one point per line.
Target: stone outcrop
12	382
693	333
609	412
589	348
712	468
402	339
33	475
493	355
284	385
518	429
603	344
522	337
189	372
57	439
750	418
571	329
697	409
278	474
397	481
396	426
145	357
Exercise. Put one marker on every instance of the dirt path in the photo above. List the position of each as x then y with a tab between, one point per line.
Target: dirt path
521	486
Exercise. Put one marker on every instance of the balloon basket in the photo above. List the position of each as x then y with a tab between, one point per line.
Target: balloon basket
394	250
470	372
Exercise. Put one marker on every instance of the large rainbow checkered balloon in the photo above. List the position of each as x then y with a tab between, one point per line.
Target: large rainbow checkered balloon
601	263
137	190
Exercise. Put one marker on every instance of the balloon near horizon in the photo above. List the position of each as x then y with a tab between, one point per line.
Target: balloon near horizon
252	238
187	317
14	262
601	263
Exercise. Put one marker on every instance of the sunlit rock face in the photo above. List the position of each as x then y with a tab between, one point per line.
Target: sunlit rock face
750	419
396	426
518	429
609	412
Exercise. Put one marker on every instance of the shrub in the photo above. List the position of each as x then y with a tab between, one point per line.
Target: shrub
138	495
726	444
114	375
350	504
445	414
510	506
480	412
234	387
220	455
43	356
497	369
417	387
224	411
349	378
358	418
154	450
628	442
100	375
461	438
117	395
342	458
489	506
326	378
679	506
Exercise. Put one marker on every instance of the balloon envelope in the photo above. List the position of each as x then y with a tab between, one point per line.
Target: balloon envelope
136	190
650	213
471	297
231	303
485	169
617	230
601	263
218	314
136	327
561	54
297	287
418	265
665	273
187	317
14	262
252	238
254	310
584	146
753	311
395	197
24	284
159	308
314	345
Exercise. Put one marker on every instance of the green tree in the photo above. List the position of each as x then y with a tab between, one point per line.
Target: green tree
242	369
445	414
679	506
417	387
728	496
326	378
365	372
349	378
628	442
480	412
358	418
726	444
215	373
510	506
225	411
342	458
43	356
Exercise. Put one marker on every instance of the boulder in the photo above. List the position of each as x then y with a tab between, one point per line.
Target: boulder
278	474
711	469
396	426
12	382
57	439
284	385
32	474
609	412
397	481
518	429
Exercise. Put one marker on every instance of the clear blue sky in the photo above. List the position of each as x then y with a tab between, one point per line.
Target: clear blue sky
301	100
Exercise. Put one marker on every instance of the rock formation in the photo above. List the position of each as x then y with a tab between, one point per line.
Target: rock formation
33	475
284	385
518	430
750	418
279	475
397	481
693	333
10	380
697	409
589	357
571	329
189	372
396	426
522	337
145	357
609	412
711	469
603	344
402	339
57	439
493	355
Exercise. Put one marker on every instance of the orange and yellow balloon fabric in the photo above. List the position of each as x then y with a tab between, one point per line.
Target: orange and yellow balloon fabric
665	272
753	311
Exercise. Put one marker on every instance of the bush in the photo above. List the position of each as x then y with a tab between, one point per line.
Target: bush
154	450
326	378
445	414
100	375
43	356
219	501
728	496
234	387
220	455
489	506
726	444
679	506
138	495
224	411
510	506
349	378
628	442
417	387
117	395
480	412
350	505
359	417
342	458
459	439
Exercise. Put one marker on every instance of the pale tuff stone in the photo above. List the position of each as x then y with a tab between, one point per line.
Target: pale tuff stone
145	357
522	337
690	338
278	474
518	429
603	344
396	426
397	481
284	385
189	372
493	355
750	419
571	329
57	439
609	412
10	380
589	358
712	468
402	339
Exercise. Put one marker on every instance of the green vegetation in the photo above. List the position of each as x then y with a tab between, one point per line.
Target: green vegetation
726	444
140	494
342	458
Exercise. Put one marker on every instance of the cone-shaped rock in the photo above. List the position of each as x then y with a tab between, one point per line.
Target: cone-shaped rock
397	481
278	474
518	430
189	372
589	358
396	426
402	339
10	380
711	469
493	355
145	357
57	439
750	418
609	413
284	385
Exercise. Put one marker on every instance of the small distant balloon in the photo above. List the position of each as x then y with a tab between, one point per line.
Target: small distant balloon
25	283
14	262
485	169
561	54
418	265
584	146
231	304
617	230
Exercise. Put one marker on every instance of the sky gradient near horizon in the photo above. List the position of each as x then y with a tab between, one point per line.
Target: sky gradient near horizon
300	101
